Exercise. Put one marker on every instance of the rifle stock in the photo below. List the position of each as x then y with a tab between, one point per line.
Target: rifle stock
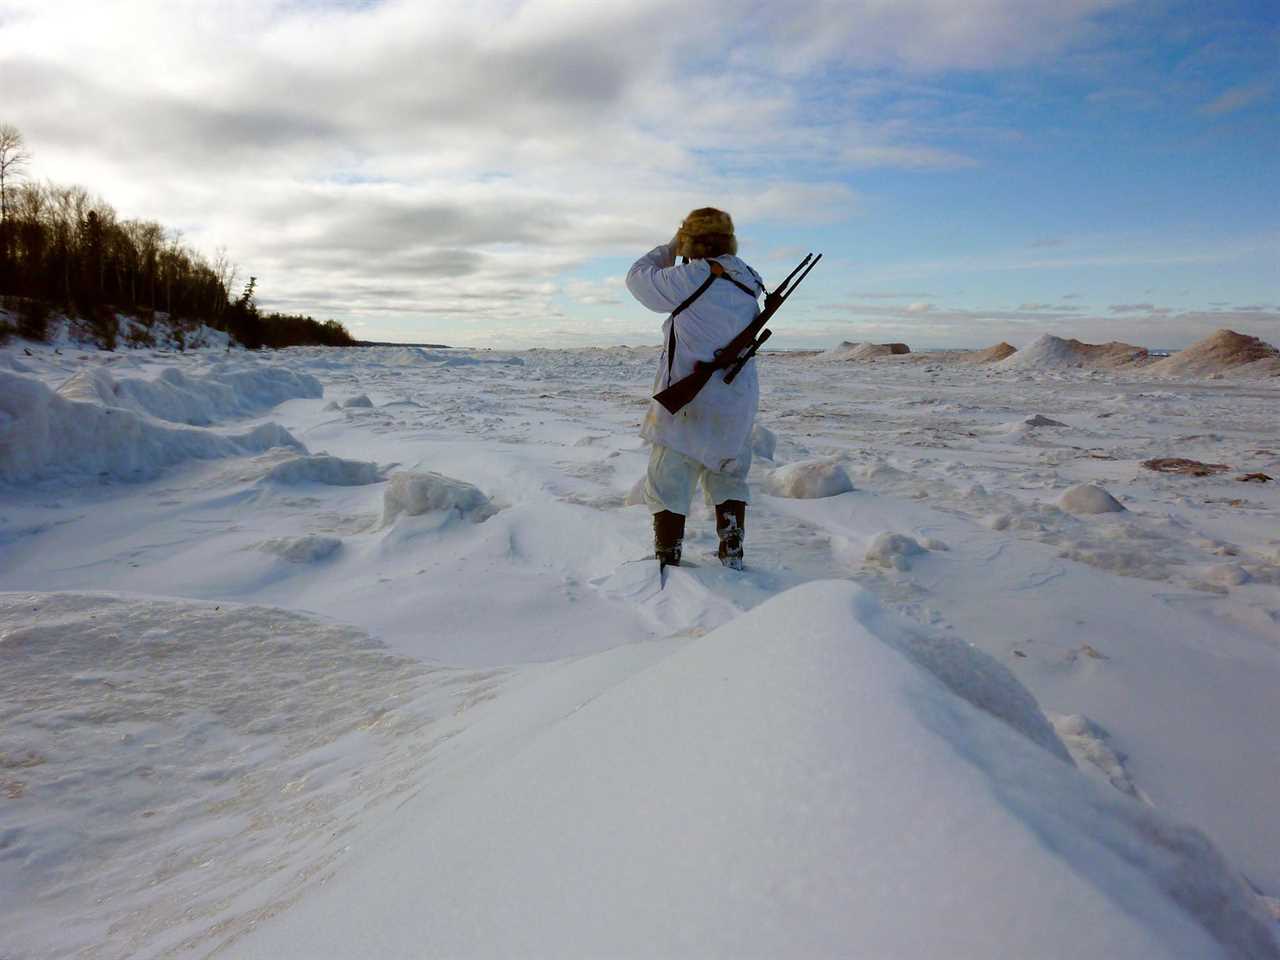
730	357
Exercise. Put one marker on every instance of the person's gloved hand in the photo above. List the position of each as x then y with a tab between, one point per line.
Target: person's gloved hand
673	243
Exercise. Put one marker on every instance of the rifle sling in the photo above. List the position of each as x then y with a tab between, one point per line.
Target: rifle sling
718	272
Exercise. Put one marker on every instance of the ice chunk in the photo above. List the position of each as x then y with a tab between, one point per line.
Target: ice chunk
323	468
358	401
417	493
893	550
1088	498
809	479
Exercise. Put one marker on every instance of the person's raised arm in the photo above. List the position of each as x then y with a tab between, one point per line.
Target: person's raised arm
655	284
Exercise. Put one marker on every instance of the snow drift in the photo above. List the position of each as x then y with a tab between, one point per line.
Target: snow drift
1048	352
809	780
222	394
44	434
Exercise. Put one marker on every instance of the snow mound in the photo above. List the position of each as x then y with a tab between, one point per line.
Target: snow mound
773	789
361	401
308	549
893	550
223	394
1089	498
175	771
864	351
414	494
763	442
1055	353
322	468
1224	352
44	434
808	479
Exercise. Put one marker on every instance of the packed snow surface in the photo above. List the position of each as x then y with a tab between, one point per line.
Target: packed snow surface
258	720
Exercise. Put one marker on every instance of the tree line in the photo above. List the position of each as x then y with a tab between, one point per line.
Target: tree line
63	248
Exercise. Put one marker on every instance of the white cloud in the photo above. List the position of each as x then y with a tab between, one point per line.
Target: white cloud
440	164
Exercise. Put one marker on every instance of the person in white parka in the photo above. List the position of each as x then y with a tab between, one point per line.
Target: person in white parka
709	440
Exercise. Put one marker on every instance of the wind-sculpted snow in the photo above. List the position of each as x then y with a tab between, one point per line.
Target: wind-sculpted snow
172	773
44	434
789	785
1157	624
224	393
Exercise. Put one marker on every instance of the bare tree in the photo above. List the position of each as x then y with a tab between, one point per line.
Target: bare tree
12	159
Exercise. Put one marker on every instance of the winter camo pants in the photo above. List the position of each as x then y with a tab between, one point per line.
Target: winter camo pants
672	477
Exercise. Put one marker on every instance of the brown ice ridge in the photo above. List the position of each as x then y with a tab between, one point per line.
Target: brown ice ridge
1225	352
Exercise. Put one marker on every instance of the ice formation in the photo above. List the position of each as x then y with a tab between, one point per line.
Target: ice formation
413	494
809	479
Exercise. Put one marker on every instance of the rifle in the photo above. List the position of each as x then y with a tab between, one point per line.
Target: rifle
734	355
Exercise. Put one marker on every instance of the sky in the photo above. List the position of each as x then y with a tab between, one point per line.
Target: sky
483	174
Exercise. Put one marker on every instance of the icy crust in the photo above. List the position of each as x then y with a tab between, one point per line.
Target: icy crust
44	434
173	772
788	785
222	394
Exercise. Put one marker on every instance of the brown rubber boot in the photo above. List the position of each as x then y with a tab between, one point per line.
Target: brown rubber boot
731	527
668	538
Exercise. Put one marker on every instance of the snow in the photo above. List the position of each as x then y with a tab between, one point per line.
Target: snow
414	494
893	550
809	479
322	468
308	549
45	434
1088	498
223	393
239	713
798	766
1224	352
1048	352
864	351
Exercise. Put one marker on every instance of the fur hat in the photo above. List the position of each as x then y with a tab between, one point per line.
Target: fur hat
706	232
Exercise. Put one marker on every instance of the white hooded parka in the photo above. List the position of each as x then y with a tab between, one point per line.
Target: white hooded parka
715	427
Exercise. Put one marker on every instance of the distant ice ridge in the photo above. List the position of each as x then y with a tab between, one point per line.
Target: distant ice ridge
811	779
45	434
